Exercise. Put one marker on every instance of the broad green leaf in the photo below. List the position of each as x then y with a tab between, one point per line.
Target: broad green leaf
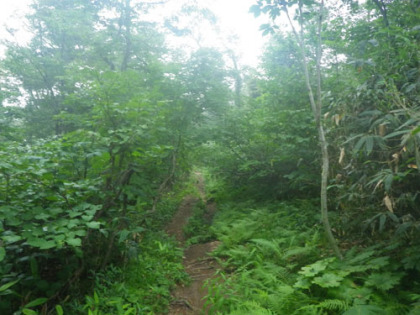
303	283
5	165
73	214
59	310
328	280
388	181
2	253
256	9
14	221
36	302
28	311
383	281
41	243
397	133
87	217
93	224
72	223
48	245
36	231
415	131
74	241
92	212
52	198
80	232
42	216
359	144
56	211
314	269
11	238
123	235
6	286
369	145
96	297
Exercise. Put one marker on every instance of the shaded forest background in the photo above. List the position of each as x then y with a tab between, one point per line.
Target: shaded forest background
101	122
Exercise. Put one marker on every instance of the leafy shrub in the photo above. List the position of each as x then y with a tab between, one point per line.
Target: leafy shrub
143	285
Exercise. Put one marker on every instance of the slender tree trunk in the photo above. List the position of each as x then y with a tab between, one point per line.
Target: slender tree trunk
382	8
316	109
324	196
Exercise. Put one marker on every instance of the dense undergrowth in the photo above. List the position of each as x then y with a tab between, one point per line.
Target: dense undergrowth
140	287
275	261
142	284
145	265
198	227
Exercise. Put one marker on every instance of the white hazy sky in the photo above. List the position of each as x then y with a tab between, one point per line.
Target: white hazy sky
233	17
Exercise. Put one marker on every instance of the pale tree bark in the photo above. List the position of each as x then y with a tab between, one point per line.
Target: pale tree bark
316	106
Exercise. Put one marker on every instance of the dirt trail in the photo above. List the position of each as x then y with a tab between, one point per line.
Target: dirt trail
197	263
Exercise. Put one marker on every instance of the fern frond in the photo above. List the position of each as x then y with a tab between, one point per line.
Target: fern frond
311	309
268	247
287	299
334	305
299	251
251	308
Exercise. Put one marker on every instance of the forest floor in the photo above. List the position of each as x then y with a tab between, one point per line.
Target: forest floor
189	299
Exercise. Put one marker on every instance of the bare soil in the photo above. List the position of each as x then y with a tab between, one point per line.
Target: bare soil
198	264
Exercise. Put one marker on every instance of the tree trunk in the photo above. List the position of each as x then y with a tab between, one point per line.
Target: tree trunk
316	109
324	196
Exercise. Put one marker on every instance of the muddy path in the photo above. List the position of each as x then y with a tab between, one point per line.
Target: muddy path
189	299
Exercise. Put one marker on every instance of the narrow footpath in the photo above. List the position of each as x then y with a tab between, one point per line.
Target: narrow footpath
198	264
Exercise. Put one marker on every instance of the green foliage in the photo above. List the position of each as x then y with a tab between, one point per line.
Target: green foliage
106	125
86	164
197	229
45	213
383	281
143	285
253	246
274	265
255	148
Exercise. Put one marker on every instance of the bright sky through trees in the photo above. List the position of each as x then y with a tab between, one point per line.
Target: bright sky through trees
233	15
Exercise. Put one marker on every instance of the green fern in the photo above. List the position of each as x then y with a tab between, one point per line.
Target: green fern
310	309
264	277
364	309
334	305
299	252
287	299
268	248
251	308
282	273
242	256
358	258
395	308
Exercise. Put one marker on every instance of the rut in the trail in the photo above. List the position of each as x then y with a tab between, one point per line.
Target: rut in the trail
197	263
